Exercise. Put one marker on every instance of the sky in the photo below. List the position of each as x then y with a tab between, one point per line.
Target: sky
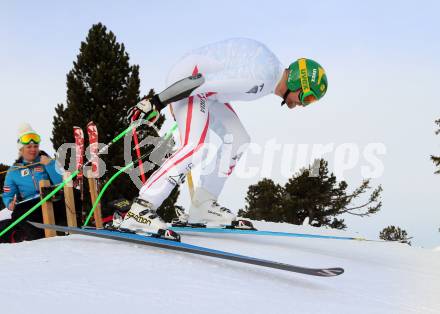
381	59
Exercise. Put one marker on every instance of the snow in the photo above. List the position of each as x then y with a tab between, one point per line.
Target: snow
5	214
80	274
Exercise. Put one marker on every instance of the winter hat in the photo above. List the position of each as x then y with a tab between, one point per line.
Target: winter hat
23	129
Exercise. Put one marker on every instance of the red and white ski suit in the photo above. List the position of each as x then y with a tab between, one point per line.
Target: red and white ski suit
235	70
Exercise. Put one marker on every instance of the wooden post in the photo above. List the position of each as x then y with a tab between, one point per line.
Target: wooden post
94	195
69	200
47	209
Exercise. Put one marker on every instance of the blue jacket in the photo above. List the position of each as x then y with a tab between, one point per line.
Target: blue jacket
25	182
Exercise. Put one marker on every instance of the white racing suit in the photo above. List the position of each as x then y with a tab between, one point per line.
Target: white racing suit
234	70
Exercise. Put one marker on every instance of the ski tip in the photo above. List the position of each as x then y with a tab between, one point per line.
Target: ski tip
360	239
331	272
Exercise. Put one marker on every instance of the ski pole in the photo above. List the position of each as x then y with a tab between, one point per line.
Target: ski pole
122	134
104	188
74	174
138	151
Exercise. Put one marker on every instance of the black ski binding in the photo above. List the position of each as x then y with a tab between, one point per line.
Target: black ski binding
167	234
182	224
241	224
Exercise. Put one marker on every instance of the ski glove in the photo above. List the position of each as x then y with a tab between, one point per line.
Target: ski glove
144	108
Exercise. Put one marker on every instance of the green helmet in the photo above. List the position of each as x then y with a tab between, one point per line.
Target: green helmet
309	76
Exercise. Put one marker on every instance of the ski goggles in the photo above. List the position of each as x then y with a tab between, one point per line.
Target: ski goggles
28	138
307	98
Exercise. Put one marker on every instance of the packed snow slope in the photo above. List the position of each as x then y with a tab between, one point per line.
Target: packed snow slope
80	274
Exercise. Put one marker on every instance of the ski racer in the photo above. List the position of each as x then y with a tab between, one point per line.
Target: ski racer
234	70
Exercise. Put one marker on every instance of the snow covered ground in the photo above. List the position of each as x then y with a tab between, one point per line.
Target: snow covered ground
79	274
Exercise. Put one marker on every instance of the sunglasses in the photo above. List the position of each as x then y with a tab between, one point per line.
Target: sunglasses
27	138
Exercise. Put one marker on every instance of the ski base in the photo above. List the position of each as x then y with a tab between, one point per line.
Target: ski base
193	249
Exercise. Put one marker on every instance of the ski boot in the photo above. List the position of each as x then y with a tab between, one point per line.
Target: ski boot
143	219
118	218
205	210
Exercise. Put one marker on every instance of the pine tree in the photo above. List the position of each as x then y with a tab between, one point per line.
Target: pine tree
101	87
264	201
392	233
311	196
436	159
319	197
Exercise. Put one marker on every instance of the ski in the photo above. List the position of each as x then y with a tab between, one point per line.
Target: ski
92	132
190	229
193	249
79	156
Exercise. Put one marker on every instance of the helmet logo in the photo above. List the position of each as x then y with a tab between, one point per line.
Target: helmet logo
313	75
304	80
303	75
